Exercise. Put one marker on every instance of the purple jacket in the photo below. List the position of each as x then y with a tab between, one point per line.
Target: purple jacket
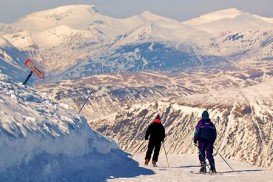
205	130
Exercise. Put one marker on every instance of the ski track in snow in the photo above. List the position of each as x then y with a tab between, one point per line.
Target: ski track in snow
182	165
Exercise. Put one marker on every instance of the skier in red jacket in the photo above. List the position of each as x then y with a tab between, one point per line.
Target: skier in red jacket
156	134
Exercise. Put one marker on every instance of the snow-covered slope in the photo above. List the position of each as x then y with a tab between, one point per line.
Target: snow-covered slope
214	16
12	60
243	118
269	20
241	23
58	16
121	106
185	167
42	141
228	15
112	92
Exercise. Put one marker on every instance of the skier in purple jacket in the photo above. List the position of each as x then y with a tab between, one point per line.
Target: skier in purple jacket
205	134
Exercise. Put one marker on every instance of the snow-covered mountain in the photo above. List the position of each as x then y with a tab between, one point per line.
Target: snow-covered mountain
225	15
214	16
221	61
42	141
243	118
77	40
110	93
122	105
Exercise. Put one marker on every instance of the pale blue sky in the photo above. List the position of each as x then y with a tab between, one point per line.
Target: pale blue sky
12	10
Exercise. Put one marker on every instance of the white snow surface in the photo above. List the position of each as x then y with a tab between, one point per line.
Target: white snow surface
4	42
182	166
214	16
42	141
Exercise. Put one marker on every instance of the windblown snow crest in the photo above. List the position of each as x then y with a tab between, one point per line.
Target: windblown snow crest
40	140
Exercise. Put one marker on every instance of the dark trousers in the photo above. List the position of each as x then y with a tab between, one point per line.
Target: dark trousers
206	150
153	145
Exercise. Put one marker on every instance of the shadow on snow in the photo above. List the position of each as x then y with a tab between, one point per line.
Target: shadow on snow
93	167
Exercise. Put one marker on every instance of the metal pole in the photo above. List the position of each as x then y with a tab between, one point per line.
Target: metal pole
28	77
267	155
165	154
84	103
224	160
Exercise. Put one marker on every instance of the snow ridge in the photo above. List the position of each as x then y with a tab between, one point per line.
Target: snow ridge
43	135
214	16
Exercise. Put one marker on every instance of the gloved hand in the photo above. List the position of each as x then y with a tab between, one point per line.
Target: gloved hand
162	140
195	142
146	138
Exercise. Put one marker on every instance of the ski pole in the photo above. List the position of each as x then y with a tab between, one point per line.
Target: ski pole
85	103
165	154
206	164
269	154
28	77
224	160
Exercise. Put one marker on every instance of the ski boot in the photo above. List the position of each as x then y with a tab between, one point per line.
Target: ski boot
146	162
212	169
154	163
203	168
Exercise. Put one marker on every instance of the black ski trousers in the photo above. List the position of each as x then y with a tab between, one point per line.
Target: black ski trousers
153	146
206	147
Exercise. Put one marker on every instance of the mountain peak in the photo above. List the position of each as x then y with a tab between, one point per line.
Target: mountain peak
63	12
215	16
150	16
71	14
147	13
71	8
229	10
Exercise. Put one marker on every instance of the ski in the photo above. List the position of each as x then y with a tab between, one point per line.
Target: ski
218	173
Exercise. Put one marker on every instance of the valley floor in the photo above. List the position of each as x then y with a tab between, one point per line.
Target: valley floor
182	166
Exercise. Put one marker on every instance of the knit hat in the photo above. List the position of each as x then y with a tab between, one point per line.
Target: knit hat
157	119
205	114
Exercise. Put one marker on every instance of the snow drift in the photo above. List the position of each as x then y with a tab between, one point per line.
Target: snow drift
40	140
